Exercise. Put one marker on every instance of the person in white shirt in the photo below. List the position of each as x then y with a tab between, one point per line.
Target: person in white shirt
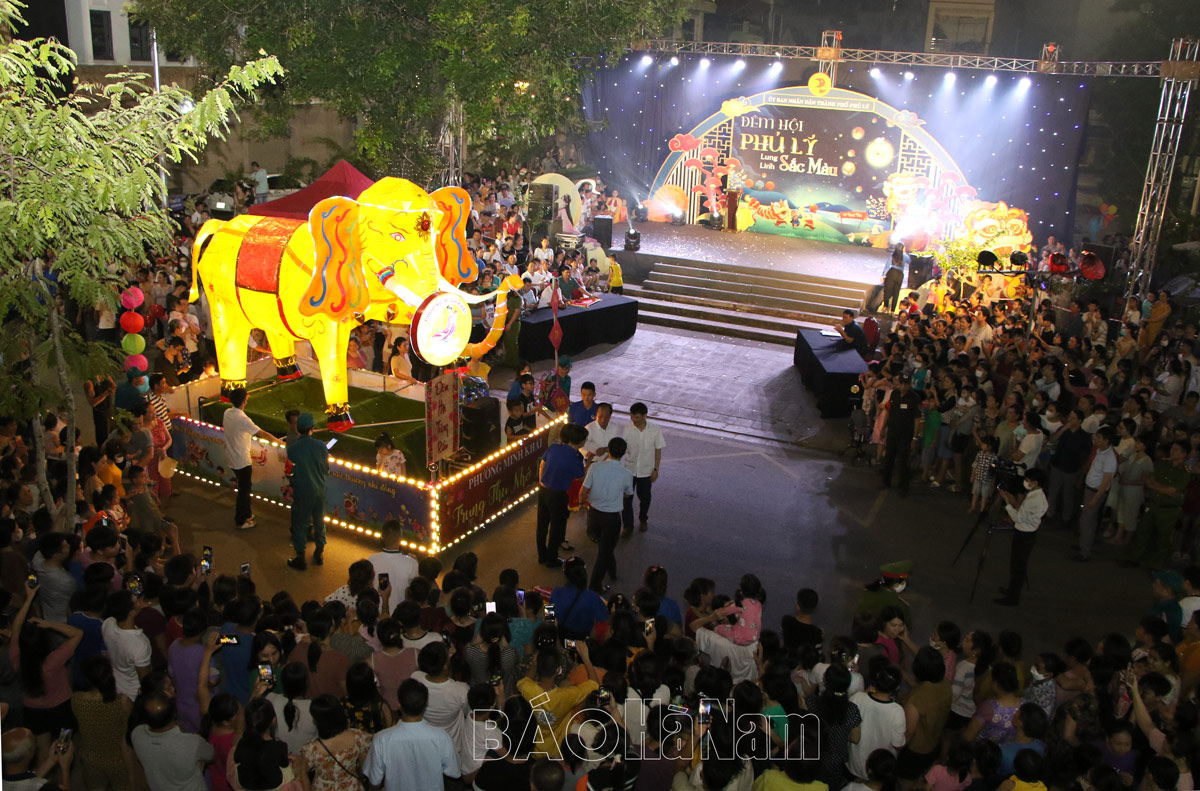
1026	511
411	754
480	731
447	697
1191	593
1096	484
239	430
399	567
1026	452
645	444
544	252
600	431
128	647
261	182
883	720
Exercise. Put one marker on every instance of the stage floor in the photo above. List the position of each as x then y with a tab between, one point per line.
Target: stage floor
778	253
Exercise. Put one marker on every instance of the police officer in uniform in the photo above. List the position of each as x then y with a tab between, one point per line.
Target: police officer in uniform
904	412
1151	542
885	591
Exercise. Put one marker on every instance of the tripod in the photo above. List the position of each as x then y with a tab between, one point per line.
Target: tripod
991	515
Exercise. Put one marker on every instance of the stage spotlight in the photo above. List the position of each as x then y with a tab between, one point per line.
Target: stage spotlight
778	54
739	64
704	63
950	77
908	75
647	60
674	61
1024	84
875	72
633	240
990	81
776	66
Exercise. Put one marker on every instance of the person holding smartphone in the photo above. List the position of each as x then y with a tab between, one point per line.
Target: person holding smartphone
545	690
310	464
399	566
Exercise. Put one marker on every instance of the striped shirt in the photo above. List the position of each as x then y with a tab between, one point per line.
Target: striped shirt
160	409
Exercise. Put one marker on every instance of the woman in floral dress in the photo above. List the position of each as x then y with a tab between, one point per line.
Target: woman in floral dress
336	756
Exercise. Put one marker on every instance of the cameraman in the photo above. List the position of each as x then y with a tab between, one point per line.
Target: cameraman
1026	511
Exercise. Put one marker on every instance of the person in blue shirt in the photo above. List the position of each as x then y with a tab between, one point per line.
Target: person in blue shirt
605	488
576	608
583	411
514	390
655	579
559	467
235	657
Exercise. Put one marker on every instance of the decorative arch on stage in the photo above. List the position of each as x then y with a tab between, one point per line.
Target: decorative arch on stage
836	165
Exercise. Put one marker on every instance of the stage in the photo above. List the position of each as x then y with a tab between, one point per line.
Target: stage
771	253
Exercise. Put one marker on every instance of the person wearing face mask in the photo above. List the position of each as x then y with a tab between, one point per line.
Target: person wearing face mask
1026	511
920	372
885	591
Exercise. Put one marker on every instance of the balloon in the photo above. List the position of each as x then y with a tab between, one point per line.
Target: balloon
770	185
133	343
157	312
1090	266
132	322
137	361
132	297
1058	263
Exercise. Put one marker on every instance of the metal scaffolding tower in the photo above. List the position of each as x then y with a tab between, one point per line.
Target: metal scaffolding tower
1179	72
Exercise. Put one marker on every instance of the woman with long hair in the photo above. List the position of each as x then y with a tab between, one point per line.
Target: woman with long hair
337	755
925	713
102	716
326	666
260	761
45	668
294	721
364	706
698	595
490	656
392	663
840	723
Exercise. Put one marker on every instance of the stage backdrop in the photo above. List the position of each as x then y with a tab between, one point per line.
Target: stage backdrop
911	158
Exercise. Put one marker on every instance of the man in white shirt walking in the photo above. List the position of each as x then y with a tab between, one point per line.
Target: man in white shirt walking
239	430
1026	512
645	445
1096	484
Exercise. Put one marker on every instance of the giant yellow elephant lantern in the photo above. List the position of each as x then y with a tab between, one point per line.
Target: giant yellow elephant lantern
396	253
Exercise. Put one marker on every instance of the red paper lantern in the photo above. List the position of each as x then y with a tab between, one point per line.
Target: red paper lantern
132	321
1058	263
1090	266
137	361
157	312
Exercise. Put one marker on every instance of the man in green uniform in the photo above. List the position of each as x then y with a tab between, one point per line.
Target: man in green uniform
1150	545
310	463
885	591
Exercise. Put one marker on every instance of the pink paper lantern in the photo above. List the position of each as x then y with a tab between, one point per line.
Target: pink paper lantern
132	297
132	322
137	361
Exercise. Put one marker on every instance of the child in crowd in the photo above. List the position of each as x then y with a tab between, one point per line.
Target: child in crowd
747	611
983	474
387	457
515	427
956	773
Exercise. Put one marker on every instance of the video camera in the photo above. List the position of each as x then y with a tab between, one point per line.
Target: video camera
1010	477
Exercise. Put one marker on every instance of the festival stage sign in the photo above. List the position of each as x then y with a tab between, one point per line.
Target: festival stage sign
839	167
485	491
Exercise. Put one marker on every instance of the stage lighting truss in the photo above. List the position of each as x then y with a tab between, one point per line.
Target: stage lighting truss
889	58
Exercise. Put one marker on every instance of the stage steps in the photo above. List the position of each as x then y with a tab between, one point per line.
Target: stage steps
740	301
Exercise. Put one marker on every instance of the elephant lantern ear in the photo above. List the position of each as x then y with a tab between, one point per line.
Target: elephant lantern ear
339	284
450	241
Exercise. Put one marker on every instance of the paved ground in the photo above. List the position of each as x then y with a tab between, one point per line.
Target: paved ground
730	504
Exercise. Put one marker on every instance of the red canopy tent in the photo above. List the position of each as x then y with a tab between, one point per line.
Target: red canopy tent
343	179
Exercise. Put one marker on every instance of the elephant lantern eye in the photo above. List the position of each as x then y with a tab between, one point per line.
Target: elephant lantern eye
399	237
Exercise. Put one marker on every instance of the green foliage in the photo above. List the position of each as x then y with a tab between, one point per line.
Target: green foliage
81	193
396	67
960	254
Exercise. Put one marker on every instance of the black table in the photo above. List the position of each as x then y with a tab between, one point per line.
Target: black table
829	368
611	320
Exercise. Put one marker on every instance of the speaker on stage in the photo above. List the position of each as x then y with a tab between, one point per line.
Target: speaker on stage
920	269
480	427
602	230
543	200
1106	253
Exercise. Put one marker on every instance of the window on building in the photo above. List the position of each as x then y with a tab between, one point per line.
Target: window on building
139	41
102	40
